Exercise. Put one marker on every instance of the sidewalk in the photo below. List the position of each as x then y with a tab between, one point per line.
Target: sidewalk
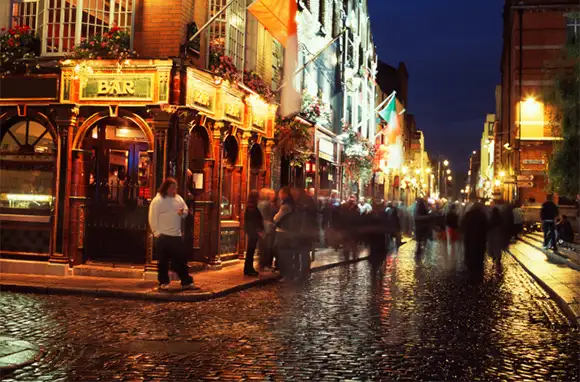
213	284
557	278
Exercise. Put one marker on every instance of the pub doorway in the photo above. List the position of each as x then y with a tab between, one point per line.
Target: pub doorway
118	177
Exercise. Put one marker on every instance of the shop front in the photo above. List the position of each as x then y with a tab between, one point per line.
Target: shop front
116	158
30	169
327	167
228	155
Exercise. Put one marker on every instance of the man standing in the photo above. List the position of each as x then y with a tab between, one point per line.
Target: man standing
548	214
166	212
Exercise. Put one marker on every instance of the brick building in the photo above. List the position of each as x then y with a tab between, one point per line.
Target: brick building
86	142
535	32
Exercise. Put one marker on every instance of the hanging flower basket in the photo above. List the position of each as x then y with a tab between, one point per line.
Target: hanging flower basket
293	140
358	155
257	84
221	65
17	43
315	110
114	44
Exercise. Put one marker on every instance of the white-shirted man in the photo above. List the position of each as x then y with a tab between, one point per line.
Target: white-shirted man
166	212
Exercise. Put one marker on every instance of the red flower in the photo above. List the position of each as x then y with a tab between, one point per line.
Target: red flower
3	29
114	29
103	44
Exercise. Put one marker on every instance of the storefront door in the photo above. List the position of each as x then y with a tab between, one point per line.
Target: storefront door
119	180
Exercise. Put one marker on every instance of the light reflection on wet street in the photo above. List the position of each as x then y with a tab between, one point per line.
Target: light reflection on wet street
425	320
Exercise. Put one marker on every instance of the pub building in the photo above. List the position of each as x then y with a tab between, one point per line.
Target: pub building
83	150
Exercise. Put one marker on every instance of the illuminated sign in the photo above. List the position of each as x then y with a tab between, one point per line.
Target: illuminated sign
326	149
234	111
201	98
117	87
259	122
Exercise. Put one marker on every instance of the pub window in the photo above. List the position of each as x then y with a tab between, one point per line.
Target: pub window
573	29
62	24
27	166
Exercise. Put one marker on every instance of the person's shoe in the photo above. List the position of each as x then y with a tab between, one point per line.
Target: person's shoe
163	286
190	287
251	273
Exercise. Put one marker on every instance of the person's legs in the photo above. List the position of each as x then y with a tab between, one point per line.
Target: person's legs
178	259
251	249
553	242
162	259
545	230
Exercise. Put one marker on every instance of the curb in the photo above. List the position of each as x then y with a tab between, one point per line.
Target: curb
157	296
552	256
564	306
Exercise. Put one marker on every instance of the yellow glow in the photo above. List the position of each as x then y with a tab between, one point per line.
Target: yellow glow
29	197
531	118
417	171
497	182
448	171
446	162
449	178
502	173
428	170
405	169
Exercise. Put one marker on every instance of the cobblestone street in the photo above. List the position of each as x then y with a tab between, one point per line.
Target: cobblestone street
411	321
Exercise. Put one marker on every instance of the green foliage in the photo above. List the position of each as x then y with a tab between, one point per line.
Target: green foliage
563	100
114	44
358	155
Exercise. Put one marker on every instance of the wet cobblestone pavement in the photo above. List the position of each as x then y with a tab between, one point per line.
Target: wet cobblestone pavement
425	320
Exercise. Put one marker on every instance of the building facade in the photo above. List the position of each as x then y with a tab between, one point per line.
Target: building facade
86	141
535	32
487	152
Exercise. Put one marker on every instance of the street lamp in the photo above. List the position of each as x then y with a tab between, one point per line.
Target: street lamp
448	171
450	178
446	163
428	170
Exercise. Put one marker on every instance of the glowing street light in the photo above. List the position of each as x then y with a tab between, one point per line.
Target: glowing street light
428	170
449	178
446	163
417	171
448	171
497	182
404	169
502	174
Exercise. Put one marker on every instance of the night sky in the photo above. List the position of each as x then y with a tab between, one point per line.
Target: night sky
452	49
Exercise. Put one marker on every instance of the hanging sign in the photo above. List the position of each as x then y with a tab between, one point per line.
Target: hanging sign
525	184
525	178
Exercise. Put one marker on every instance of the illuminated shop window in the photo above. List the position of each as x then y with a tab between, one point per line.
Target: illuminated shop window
531	113
27	165
62	24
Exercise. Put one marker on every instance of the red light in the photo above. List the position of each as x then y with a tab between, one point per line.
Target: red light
313	167
308	167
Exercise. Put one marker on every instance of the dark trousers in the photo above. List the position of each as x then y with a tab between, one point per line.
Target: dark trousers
171	248
250	251
549	234
266	250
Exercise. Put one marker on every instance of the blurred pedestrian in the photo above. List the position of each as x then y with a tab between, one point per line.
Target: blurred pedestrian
285	243
268	209
496	235
564	230
452	225
475	226
422	225
518	226
254	227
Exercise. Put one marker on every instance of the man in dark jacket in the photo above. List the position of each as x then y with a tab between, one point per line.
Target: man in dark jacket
548	214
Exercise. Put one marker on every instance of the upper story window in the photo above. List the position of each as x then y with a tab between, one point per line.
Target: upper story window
62	24
573	29
226	33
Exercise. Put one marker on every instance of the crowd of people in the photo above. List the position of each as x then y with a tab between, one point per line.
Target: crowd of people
288	226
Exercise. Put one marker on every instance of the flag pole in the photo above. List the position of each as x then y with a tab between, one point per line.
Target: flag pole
214	17
314	57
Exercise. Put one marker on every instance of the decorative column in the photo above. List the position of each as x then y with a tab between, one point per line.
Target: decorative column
245	148
269	163
65	122
215	195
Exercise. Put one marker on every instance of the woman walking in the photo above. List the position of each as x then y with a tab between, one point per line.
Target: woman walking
268	209
254	227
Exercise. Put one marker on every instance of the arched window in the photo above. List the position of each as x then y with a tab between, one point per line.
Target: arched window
27	166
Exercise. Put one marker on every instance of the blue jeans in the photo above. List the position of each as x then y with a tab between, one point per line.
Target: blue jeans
549	227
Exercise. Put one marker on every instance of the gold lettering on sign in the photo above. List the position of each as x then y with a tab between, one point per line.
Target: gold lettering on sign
116	87
234	111
259	122
201	98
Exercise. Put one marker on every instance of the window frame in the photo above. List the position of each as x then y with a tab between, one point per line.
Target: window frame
75	10
572	29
